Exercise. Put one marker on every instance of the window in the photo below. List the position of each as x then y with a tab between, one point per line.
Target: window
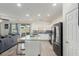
6	26
14	30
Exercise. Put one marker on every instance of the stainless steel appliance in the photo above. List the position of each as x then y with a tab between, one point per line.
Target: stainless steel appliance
57	38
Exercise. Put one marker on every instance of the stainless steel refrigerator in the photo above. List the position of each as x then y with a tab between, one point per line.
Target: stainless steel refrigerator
57	38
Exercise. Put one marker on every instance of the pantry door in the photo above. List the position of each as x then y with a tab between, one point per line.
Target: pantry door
71	46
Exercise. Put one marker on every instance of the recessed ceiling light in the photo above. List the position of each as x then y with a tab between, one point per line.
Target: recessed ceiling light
48	15
54	4
27	15
38	14
19	4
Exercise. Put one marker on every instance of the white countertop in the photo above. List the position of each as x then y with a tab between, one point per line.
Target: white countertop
36	37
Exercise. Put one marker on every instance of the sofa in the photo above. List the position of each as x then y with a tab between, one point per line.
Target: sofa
7	42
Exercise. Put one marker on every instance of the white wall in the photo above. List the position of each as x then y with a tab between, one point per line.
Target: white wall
59	19
40	26
4	31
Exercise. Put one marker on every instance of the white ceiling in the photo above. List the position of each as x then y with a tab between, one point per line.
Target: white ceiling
33	9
